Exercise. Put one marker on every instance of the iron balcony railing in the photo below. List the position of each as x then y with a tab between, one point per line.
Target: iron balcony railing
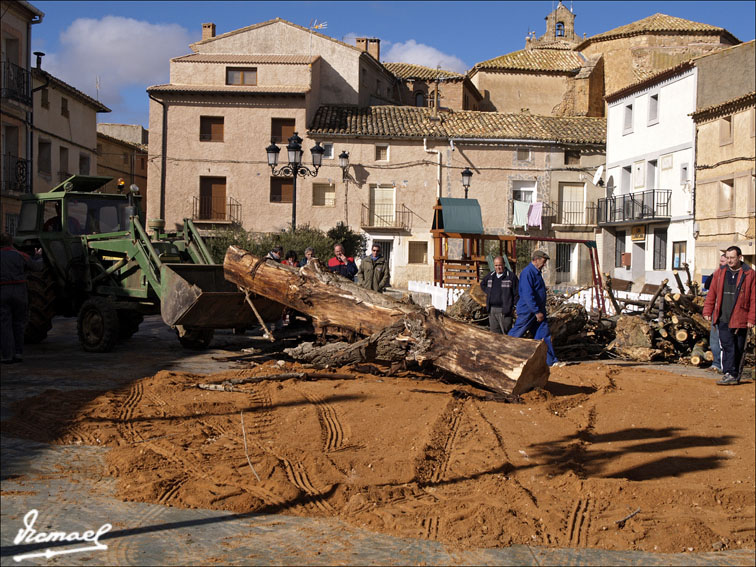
574	212
643	205
16	175
16	83
218	209
386	216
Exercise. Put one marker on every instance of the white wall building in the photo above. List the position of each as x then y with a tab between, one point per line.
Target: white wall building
646	219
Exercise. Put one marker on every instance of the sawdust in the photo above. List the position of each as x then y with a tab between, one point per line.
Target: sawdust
426	459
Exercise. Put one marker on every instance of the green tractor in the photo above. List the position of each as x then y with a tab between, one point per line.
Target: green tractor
102	267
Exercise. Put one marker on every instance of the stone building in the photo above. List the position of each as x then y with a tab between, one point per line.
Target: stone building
122	159
225	102
16	107
402	158
562	74
725	121
65	131
419	86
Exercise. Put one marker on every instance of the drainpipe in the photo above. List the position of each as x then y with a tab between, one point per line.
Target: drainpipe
438	174
164	149
30	117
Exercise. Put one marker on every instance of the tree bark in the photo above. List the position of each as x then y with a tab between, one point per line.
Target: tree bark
501	363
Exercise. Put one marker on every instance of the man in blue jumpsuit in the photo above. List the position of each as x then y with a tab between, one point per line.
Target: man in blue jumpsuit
531	307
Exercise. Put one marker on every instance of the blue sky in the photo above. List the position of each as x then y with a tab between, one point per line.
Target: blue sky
126	45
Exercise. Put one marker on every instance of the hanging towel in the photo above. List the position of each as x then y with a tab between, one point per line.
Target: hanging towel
520	214
534	214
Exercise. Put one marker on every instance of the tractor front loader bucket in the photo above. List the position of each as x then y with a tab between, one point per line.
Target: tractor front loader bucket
198	296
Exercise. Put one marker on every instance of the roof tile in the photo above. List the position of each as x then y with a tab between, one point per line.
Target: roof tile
658	23
414	122
411	71
245	59
536	60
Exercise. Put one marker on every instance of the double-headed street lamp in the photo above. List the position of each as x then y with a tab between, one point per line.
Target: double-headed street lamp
294	168
466	176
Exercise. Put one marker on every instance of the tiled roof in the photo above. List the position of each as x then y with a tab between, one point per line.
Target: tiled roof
411	71
228	89
246	59
725	107
414	122
659	23
140	147
650	78
558	60
73	91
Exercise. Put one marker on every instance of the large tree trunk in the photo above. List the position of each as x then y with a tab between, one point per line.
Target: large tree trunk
501	363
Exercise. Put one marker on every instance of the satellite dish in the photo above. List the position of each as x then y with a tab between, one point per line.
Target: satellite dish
597	177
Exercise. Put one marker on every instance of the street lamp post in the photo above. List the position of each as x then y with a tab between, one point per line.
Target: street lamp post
466	176
344	164
294	168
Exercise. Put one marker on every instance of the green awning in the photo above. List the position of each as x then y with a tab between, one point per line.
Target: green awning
459	216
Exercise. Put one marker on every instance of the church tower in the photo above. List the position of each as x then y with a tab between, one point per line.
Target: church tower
560	31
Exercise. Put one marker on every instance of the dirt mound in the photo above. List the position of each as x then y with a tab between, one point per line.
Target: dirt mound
421	458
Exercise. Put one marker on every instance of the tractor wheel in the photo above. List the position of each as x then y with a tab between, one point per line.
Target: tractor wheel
98	325
128	323
197	339
41	291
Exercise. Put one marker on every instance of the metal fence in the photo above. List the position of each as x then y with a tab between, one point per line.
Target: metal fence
216	209
654	203
386	216
16	174
575	212
16	83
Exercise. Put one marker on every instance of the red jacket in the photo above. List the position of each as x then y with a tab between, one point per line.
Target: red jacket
744	311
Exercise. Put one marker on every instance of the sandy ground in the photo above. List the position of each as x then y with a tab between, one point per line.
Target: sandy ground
410	456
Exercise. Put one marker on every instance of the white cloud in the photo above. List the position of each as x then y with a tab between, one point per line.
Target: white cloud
123	52
420	54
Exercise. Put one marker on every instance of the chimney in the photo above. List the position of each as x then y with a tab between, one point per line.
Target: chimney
208	31
372	45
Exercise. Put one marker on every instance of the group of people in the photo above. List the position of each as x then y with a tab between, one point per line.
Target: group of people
373	272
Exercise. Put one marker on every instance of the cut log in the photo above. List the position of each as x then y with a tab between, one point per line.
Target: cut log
566	322
697	355
678	280
641	354
659	291
608	288
501	363
470	305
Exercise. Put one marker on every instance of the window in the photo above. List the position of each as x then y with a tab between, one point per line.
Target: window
560	29
63	163
524	154
211	129
420	99
726	194
626	179
653	109
660	249
619	248
44	157
323	195
572	157
45	98
418	253
651	174
328	147
523	191
281	189
381	153
638	178
83	164
241	75
725	130
679	254
281	129
628	125
684	177
563	257
11	223
212	199
64	107
382	205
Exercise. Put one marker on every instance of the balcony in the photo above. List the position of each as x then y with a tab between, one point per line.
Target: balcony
216	210
16	83
386	217
574	213
632	207
16	176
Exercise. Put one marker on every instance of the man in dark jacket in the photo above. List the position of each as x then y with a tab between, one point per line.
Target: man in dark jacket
341	264
14	302
374	272
531	307
501	289
731	306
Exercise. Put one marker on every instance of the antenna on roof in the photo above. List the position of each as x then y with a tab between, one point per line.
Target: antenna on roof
315	25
